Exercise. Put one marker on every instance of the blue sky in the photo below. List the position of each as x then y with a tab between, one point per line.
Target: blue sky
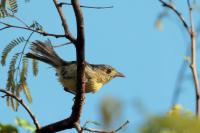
124	37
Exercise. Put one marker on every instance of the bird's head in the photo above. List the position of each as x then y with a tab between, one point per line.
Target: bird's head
110	71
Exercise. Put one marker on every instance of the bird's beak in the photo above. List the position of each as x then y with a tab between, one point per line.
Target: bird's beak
119	74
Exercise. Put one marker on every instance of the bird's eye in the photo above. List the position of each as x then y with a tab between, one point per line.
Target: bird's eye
108	71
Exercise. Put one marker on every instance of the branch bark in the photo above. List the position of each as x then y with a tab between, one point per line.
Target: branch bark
68	35
80	54
180	16
193	59
20	101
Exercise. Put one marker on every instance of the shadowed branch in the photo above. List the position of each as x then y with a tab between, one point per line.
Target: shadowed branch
80	54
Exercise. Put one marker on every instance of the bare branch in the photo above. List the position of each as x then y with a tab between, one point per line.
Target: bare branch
192	33
80	55
20	101
102	131
80	51
193	61
177	13
84	6
6	27
64	22
27	28
191	17
179	80
20	20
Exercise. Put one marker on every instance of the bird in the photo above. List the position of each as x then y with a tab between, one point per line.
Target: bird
96	75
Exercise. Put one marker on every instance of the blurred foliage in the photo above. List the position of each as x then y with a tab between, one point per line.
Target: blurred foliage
177	120
111	109
20	122
8	8
159	20
25	124
6	128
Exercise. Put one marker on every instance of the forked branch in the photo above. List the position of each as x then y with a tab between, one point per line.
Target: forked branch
191	30
79	43
68	35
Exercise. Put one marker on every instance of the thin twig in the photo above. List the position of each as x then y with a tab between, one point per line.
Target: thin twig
6	27
36	31
102	131
192	33
61	45
78	127
177	13
90	7
20	20
178	83
68	35
22	53
193	59
20	101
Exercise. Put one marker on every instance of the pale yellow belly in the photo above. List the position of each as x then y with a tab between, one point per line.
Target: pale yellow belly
90	86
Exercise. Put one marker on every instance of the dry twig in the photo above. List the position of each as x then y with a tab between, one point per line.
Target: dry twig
84	6
27	28
102	131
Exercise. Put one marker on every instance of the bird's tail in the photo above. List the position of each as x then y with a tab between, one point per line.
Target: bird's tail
44	52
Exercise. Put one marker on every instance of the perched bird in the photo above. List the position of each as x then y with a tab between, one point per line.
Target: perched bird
95	75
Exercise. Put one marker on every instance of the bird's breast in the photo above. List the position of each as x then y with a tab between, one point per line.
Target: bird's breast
67	77
90	85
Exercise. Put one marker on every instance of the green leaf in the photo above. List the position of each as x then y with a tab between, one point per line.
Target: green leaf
24	70
35	25
10	81
13	5
35	67
23	83
26	92
3	13
17	94
3	4
10	85
24	124
9	47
